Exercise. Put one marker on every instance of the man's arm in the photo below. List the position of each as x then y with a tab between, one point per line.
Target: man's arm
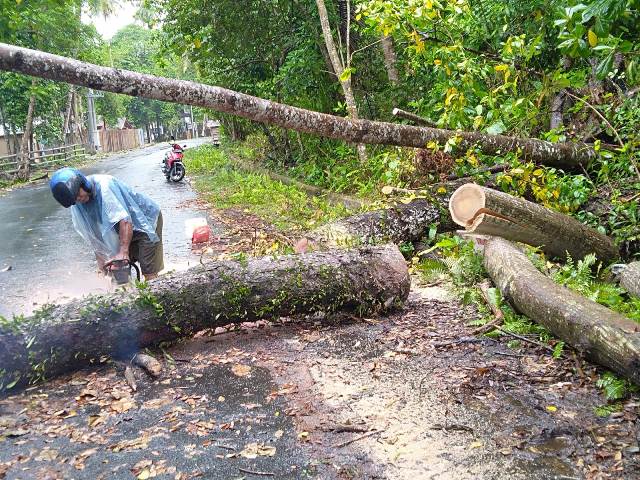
125	231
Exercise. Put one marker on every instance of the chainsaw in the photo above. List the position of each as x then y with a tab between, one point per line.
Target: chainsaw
120	270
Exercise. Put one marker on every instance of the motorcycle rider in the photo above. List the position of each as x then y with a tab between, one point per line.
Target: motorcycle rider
119	223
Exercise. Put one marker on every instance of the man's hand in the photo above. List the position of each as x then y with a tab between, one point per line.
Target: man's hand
119	256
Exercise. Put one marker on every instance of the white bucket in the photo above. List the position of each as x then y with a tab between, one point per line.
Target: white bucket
191	224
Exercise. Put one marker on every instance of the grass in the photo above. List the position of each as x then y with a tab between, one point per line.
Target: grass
225	185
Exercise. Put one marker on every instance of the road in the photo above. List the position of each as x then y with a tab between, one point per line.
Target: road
51	263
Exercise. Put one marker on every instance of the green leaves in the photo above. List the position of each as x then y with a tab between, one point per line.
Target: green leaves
346	74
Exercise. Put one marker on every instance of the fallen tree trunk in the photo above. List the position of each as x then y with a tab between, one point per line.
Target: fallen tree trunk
54	67
630	278
67	337
603	335
485	211
402	222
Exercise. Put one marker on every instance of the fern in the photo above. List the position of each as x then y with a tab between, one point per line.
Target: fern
615	388
432	269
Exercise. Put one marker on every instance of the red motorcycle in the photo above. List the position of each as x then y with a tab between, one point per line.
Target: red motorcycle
172	167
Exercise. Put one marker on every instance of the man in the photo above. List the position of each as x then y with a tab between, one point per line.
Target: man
119	223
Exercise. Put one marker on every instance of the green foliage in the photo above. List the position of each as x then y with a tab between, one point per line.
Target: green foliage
548	186
615	388
287	207
584	277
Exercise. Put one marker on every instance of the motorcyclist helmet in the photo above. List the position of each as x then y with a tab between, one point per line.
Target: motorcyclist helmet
65	185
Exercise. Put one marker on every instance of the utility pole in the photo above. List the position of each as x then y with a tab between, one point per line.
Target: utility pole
94	136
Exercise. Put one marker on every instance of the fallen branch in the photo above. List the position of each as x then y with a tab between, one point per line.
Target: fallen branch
413	117
255	472
486	211
355	439
130	378
603	335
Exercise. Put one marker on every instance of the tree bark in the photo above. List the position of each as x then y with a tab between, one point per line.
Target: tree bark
54	67
67	337
630	278
603	335
24	165
67	115
485	211
390	59
399	223
5	129
339	67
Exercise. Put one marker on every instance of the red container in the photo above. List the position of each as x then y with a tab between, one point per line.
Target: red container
201	234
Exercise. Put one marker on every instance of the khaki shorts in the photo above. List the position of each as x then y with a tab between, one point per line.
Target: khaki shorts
146	252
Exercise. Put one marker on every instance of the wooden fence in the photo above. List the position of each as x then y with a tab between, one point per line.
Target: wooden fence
43	159
117	140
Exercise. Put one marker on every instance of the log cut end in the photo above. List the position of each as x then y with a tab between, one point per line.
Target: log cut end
465	203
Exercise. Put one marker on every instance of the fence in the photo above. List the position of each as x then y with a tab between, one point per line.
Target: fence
42	159
117	140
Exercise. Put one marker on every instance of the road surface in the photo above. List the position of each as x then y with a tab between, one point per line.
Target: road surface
50	263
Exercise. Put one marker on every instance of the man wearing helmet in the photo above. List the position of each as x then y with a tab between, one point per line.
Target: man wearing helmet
119	223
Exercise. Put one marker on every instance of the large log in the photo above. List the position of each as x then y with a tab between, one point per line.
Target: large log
66	337
54	67
630	278
603	335
485	211
402	222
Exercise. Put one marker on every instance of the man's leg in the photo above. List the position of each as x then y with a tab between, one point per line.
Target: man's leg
151	254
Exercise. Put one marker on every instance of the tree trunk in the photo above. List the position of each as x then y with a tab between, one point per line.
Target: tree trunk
54	67
67	115
630	278
24	162
485	211
399	223
339	67
390	59
603	335
5	129
559	101
67	337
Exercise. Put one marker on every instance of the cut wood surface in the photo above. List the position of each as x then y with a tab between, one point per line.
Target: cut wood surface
608	338
67	337
485	211
55	67
630	278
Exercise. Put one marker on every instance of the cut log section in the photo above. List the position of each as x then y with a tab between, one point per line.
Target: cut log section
630	278
399	223
150	365
485	211
68	337
608	338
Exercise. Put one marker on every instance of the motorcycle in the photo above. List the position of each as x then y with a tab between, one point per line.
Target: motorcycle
172	165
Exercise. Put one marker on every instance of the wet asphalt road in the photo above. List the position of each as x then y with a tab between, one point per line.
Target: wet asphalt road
50	263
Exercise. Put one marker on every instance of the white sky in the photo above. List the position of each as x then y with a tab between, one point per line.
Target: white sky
109	26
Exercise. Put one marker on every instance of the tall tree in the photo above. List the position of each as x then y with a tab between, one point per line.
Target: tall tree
340	67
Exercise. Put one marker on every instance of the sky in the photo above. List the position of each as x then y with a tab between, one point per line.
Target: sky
109	26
